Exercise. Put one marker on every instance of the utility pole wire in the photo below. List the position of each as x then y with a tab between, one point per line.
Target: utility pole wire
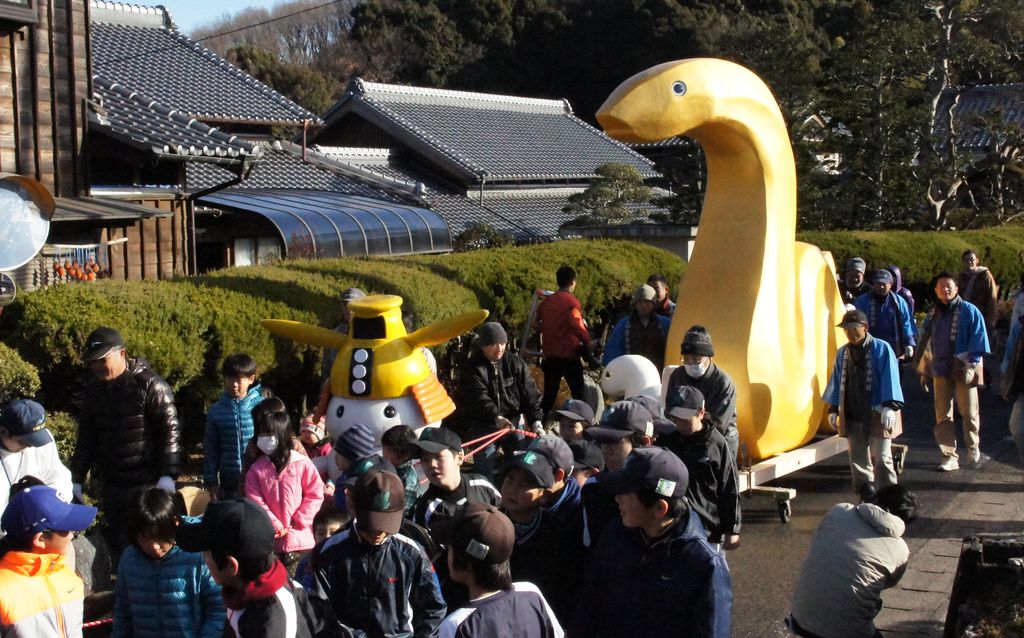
217	35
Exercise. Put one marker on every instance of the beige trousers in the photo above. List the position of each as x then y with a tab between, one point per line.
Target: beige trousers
945	392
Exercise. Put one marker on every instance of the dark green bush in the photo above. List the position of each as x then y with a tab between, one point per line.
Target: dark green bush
18	378
922	255
64	429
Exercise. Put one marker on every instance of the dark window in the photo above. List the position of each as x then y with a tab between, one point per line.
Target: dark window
16	13
372	328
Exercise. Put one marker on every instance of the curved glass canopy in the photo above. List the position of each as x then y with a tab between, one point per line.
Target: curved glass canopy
319	224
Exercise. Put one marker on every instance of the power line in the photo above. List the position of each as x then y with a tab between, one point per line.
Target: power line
217	35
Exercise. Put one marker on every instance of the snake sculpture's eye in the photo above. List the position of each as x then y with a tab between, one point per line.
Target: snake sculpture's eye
679	88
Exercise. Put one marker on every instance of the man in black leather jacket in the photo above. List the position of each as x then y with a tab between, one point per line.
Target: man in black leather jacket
495	390
128	432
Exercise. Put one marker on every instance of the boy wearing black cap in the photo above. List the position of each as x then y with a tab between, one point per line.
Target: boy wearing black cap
480	544
698	370
625	426
547	549
563	498
441	458
653	573
587	462
237	541
574	417
713	490
40	594
496	390
27	449
377	580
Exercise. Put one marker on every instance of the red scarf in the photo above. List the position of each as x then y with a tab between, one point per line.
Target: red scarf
265	586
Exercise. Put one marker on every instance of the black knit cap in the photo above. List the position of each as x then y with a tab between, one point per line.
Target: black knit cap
698	341
491	333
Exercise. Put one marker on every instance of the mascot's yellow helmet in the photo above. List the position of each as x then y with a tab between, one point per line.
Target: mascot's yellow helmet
378	359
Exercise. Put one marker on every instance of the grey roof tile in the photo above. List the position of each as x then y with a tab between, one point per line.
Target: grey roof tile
979	100
168	66
279	168
146	124
500	137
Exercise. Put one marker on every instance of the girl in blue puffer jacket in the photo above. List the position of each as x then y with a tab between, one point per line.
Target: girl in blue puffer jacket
163	591
229	427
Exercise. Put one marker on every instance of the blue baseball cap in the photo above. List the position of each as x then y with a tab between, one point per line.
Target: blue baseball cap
39	509
25	420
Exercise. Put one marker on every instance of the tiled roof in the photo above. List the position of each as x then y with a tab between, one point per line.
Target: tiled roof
148	125
491	136
279	168
979	100
141	49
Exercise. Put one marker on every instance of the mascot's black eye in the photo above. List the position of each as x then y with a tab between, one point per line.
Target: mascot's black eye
390	412
341	411
679	88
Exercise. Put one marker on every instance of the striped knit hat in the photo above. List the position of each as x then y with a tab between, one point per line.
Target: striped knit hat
355	442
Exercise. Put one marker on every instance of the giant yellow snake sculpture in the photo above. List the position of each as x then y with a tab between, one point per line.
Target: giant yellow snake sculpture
770	303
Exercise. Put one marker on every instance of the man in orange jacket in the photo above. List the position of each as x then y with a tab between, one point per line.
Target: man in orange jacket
40	594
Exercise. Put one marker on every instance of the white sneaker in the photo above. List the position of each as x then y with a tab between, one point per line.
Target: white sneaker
976	458
949	465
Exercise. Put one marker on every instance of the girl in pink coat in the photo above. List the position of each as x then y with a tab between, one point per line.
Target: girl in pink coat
285	483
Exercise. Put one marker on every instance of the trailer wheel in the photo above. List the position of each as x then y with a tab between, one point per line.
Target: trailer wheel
785	511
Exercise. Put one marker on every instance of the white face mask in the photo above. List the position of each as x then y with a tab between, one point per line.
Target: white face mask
266	444
696	371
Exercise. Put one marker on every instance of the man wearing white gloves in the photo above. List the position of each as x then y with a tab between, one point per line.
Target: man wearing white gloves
129	432
864	398
950	356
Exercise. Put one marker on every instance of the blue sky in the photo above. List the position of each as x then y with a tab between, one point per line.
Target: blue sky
189	14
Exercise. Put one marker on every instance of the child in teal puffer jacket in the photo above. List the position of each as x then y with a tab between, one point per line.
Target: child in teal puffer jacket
229	427
163	591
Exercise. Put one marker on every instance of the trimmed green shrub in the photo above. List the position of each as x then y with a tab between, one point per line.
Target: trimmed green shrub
18	378
64	429
922	255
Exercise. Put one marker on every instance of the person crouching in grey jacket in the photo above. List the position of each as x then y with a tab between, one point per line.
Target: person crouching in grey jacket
857	551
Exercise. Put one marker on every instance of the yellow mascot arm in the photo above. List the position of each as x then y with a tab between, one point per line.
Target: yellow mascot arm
441	331
305	333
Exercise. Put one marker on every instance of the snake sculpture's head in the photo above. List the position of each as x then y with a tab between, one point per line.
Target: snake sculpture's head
675	98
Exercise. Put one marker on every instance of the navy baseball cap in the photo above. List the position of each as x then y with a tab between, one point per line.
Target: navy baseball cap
684	402
651	469
26	421
587	454
232	527
439	439
620	421
577	411
555	450
535	464
39	509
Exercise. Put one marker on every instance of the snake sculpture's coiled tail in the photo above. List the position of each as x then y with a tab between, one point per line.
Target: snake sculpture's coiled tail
769	302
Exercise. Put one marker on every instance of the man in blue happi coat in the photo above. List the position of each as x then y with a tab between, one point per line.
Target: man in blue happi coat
889	316
952	345
864	398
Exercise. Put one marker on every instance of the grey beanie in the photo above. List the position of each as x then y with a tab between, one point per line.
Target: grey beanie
349	294
698	341
857	264
491	333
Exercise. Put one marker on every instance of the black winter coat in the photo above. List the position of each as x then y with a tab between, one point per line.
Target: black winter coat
129	430
487	391
713	490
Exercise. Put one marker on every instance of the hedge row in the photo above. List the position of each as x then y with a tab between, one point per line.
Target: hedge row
921	256
18	378
186	327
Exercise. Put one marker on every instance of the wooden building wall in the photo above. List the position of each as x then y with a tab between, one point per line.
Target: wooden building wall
43	79
156	248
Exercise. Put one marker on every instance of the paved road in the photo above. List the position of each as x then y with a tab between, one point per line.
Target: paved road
765	568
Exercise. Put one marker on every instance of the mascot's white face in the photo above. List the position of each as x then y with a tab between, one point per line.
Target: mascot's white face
379	414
